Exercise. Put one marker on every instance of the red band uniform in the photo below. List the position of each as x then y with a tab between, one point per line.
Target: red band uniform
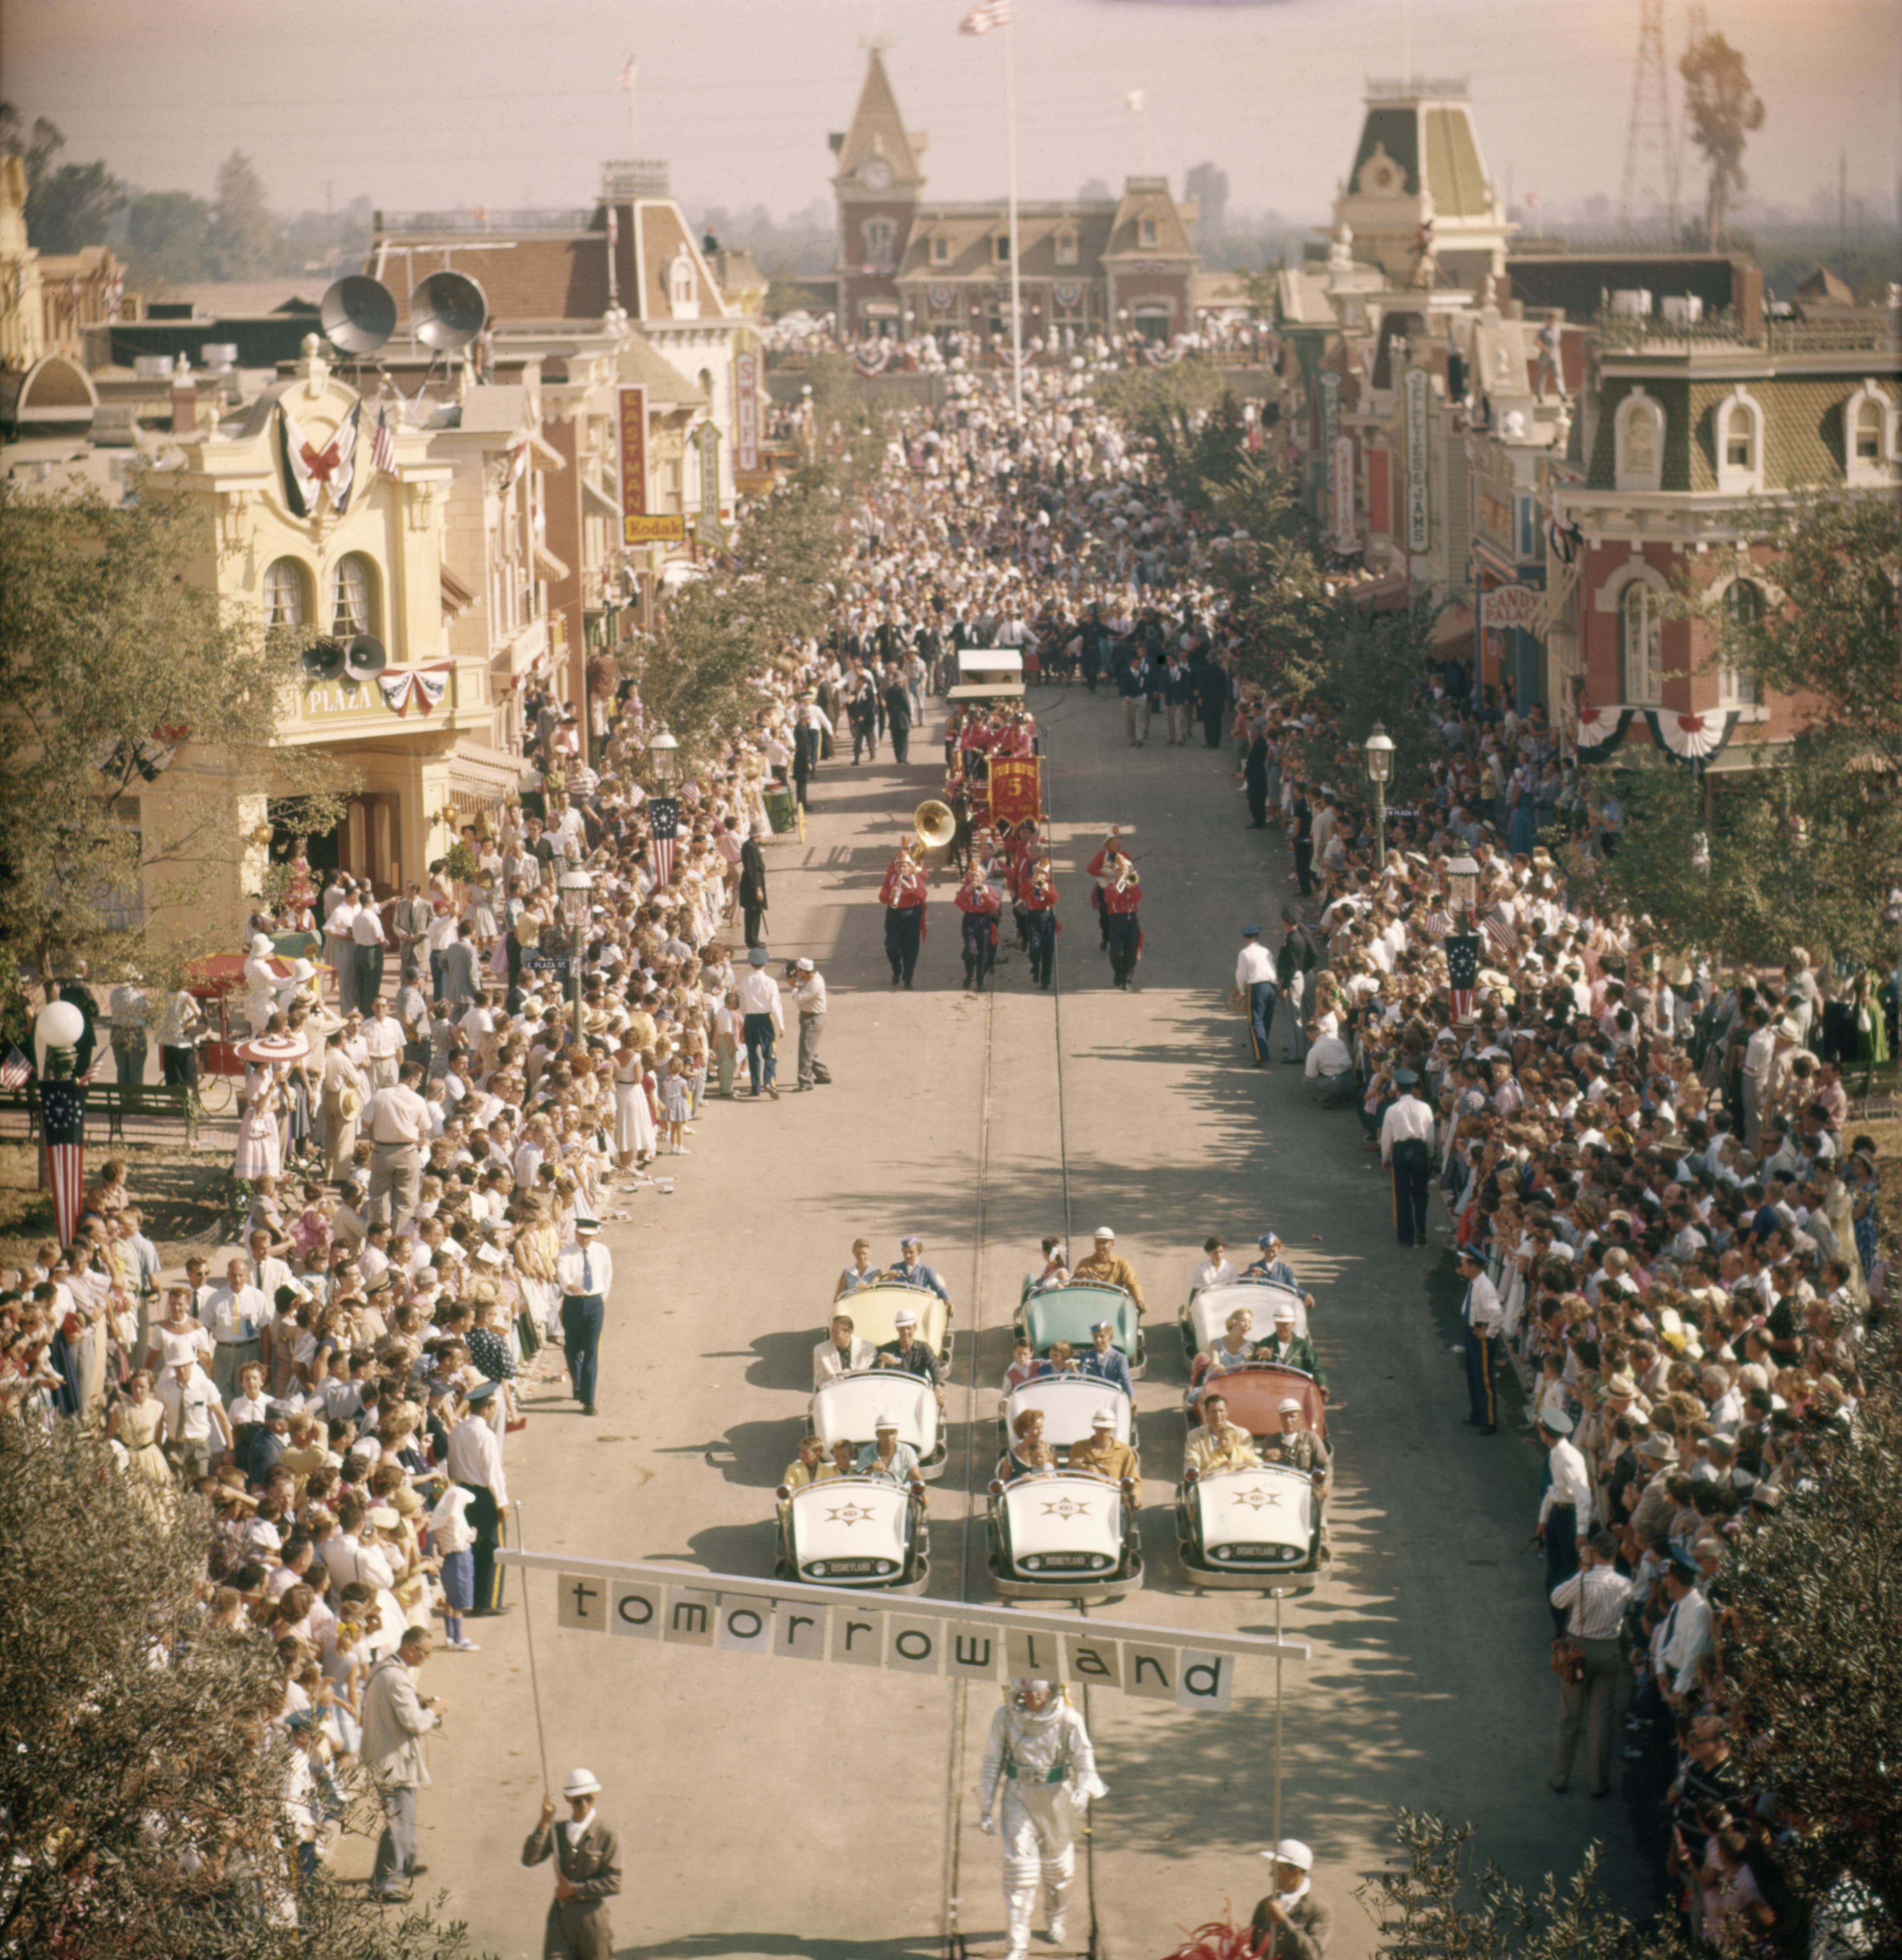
903	895
980	904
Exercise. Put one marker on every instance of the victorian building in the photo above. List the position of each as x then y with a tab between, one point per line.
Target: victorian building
908	266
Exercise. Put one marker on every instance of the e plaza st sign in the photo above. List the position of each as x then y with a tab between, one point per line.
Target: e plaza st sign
837	1626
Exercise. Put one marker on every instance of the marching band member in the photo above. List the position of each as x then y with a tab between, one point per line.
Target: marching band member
1122	892
980	904
903	895
1039	898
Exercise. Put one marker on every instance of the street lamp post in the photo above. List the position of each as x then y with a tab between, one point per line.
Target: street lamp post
1462	885
1379	746
663	751
577	908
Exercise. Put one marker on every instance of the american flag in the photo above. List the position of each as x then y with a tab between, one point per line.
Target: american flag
664	816
1462	973
62	1110
981	20
1498	932
1436	925
383	445
94	1067
15	1070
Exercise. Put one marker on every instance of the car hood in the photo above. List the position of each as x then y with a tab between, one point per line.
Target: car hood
1269	1506
849	1518
1064	1514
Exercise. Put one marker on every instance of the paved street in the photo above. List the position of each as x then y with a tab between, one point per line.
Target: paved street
769	1811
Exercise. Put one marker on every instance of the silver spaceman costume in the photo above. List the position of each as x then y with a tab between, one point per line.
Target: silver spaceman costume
1041	1757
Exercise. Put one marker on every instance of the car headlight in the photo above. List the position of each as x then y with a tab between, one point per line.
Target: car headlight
1033	1565
1102	1561
1221	1551
818	1568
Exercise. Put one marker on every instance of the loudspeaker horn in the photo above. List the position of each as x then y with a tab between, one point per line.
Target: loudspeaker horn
447	311
357	314
364	656
324	660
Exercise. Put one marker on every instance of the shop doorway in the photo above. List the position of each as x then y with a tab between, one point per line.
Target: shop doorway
368	842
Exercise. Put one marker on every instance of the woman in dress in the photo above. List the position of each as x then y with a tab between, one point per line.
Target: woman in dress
138	1421
300	895
482	913
258	1151
635	1138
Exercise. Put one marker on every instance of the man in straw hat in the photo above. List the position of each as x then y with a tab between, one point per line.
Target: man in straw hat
587	1860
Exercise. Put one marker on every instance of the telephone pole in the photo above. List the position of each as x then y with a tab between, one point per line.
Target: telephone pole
1650	156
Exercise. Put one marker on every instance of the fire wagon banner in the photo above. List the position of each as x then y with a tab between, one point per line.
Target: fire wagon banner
747	414
634	465
1017	789
954	1643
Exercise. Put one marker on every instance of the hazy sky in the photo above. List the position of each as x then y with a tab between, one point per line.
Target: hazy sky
421	103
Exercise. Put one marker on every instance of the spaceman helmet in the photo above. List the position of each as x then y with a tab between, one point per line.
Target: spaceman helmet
1022	1685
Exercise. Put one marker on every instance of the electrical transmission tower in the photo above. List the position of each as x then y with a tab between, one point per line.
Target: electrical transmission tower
1650	155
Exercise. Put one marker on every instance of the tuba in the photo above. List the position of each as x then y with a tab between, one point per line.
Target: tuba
935	824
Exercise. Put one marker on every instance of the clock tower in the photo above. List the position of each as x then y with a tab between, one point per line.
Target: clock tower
877	183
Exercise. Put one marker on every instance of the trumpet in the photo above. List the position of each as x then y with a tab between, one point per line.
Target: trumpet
1125	875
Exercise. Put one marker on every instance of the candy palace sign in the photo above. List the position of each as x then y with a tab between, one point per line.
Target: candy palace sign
834	1627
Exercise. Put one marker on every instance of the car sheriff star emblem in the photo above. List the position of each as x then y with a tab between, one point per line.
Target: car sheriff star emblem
1065	1507
850	1514
1256	1498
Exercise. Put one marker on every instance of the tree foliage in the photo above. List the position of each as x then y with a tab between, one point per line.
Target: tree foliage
1437	1905
69	205
1188	417
1810	1627
242	234
168	237
110	661
141	1780
1724	110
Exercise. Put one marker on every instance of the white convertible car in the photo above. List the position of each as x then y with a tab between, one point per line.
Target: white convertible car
846	1407
854	1530
1060	1535
1069	1404
1254	1530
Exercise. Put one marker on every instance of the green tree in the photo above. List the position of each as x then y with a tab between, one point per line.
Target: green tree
1725	110
69	205
1437	1905
243	235
109	658
1188	415
141	1779
168	237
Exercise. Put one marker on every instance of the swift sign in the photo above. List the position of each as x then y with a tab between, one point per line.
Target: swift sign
836	1626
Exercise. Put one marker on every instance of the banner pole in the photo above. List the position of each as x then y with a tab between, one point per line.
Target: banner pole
1277	1717
534	1679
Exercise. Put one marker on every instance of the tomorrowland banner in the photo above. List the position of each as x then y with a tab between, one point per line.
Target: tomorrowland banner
1017	789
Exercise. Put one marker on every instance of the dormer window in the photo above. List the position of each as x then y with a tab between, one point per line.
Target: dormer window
1066	248
1639	434
1739	432
683	289
940	251
879	233
1145	231
1000	248
1869	437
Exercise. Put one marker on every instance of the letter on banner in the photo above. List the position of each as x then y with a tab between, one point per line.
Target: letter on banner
581	1602
690	1616
914	1646
1033	1654
858	1639
971	1651
635	1610
1094	1660
1149	1671
799	1632
746	1626
1207	1681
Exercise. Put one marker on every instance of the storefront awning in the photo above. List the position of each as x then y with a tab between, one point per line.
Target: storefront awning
1386	594
1454	624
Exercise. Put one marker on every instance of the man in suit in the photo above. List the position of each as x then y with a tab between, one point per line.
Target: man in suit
587	1861
1291	1923
842	1351
753	889
395	1719
898	712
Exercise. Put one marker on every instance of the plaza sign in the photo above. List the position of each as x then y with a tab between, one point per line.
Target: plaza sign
836	1626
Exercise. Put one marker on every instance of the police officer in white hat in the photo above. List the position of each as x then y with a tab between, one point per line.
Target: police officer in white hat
587	1859
1291	1923
1039	1753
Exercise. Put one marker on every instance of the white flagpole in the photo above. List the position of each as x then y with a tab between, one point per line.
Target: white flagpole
1010	152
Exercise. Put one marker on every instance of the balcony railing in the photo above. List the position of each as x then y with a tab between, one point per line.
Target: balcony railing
1865	332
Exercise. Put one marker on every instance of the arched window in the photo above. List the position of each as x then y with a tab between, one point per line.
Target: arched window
286	593
1740	431
1640	431
1641	645
683	290
1868	445
1744	609
353	593
1147	233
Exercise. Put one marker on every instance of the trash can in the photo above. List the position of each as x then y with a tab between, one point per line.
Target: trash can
782	812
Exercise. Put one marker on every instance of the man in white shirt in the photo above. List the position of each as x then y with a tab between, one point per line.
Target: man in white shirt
1482	1313
841	1352
194	1414
236	1313
1567	1508
1406	1145
585	1274
808	996
340	946
1216	1268
476	1465
397	1122
761	1021
383	1041
369	938
1254	991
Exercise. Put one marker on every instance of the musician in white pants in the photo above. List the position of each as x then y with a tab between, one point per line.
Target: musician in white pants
1039	1752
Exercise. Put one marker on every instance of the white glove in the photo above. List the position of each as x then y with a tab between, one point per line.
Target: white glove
988	1824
